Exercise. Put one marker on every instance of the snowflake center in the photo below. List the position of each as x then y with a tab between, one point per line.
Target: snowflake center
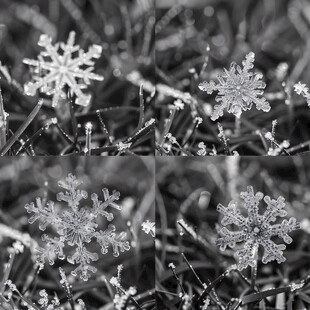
63	69
256	230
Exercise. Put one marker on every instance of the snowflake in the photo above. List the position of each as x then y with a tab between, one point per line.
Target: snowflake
76	227
202	149
149	227
62	69
302	89
238	89
256	229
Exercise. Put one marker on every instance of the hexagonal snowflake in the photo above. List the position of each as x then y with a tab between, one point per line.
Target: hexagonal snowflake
54	70
256	229
77	227
238	89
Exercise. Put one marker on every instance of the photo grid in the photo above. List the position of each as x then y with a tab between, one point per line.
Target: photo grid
154	155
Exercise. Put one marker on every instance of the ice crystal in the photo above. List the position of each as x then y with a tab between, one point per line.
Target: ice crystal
302	89
257	229
149	227
54	70
76	227
206	303
238	89
202	149
296	286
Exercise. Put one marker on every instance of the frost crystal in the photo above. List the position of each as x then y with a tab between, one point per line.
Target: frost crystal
302	89
238	89
257	229
76	227
149	227
54	70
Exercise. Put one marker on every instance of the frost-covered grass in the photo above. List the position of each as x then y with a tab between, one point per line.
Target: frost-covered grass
219	249
68	243
109	87
201	50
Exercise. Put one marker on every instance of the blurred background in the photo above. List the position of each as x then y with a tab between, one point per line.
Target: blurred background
196	40
124	29
24	179
190	189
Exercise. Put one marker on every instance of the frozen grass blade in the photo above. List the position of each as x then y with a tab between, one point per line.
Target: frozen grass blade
7	272
105	130
3	122
30	140
248	299
21	129
167	127
141	117
88	131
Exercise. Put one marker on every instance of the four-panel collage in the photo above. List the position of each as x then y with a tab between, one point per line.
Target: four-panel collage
154	155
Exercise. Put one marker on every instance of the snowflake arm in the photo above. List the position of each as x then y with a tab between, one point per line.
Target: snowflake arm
72	196
109	201
246	256
208	87
275	208
230	238
60	69
231	214
83	257
109	237
238	89
282	230
251	202
54	247
272	251
46	214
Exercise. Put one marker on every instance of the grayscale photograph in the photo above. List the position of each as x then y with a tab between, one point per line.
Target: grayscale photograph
77	77
77	234
232	233
232	77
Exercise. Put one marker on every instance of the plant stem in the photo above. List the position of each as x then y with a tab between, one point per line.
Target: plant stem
254	271
237	126
21	129
167	127
3	123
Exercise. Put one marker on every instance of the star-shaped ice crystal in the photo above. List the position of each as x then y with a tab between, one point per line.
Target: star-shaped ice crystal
55	70
238	89
257	229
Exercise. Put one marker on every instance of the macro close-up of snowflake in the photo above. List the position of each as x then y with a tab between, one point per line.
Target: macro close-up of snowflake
257	229
238	89
54	70
76	227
